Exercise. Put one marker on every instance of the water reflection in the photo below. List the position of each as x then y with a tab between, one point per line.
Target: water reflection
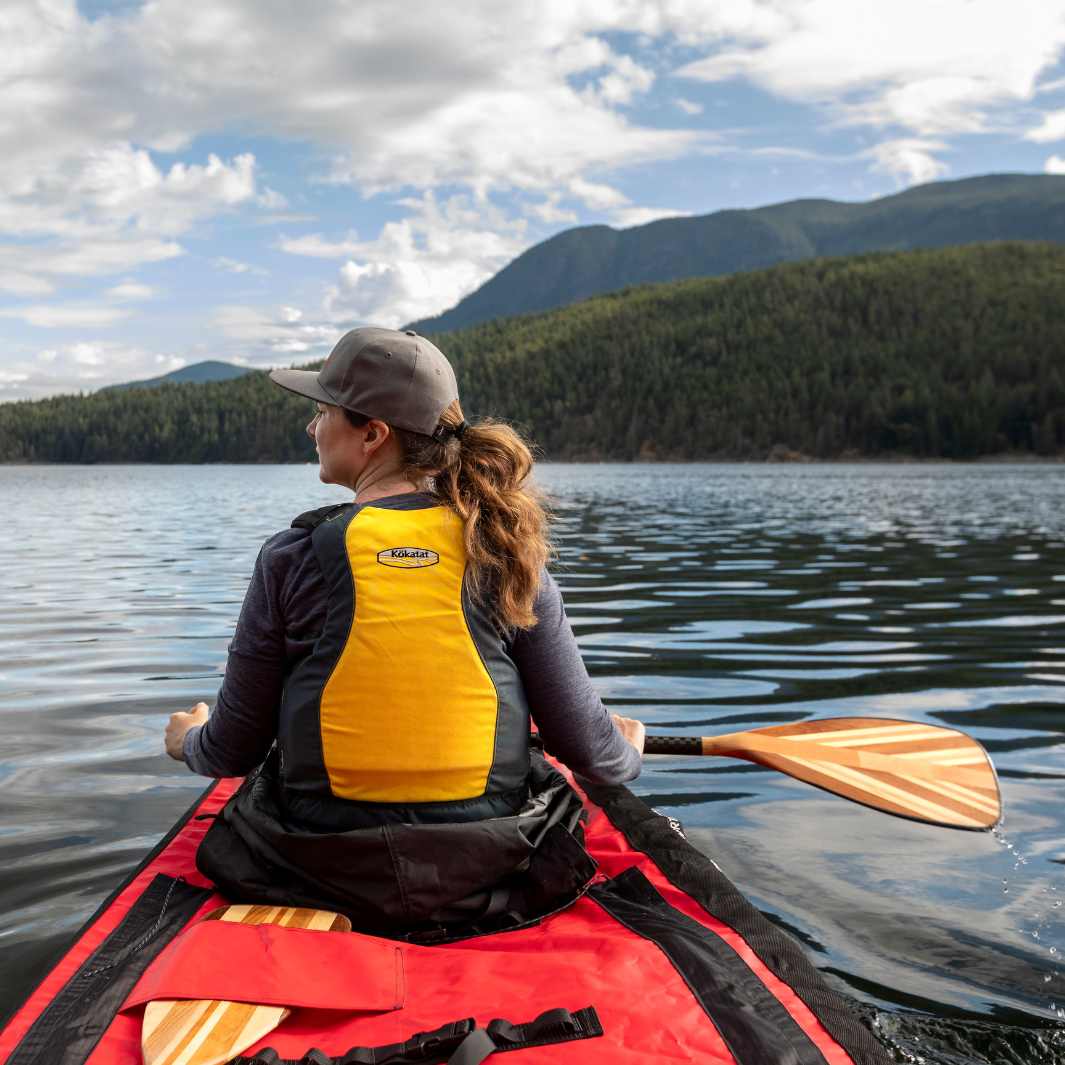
707	599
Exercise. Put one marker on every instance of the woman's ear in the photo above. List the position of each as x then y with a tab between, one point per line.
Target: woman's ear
376	433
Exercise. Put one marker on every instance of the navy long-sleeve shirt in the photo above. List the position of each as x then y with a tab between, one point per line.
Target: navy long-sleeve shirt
284	614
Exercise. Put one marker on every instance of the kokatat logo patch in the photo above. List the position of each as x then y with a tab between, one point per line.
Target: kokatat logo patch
408	557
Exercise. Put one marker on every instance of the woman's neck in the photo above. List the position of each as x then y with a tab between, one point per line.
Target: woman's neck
376	484
380	491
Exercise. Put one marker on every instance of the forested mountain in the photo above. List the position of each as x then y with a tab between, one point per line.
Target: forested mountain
581	262
197	373
956	353
244	419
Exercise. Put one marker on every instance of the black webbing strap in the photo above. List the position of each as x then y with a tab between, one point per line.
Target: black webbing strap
70	1026
311	519
458	1043
753	1022
552	1026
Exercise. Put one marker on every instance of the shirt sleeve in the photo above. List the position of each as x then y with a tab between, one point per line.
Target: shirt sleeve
572	720
282	617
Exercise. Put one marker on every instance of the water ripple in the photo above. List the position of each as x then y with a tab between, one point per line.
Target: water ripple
706	599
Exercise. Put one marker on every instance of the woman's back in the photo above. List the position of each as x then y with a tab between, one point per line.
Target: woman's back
401	784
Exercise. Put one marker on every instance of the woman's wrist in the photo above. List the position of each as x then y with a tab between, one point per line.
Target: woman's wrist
632	730
178	727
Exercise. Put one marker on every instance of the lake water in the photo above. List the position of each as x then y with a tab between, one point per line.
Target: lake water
707	599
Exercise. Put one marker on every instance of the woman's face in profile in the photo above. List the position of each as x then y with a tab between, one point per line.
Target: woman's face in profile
344	452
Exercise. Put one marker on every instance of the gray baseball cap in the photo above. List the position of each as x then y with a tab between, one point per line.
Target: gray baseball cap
399	378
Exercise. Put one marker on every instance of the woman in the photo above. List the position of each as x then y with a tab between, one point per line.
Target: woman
386	661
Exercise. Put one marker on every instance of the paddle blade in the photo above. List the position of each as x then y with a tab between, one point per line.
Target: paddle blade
196	1032
201	1032
914	770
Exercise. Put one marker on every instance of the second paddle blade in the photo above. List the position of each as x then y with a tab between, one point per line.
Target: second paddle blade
201	1032
919	771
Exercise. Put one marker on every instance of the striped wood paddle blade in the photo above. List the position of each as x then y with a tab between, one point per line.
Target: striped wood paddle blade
907	768
199	1032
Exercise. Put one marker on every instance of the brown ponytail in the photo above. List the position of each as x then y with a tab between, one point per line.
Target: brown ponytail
483	475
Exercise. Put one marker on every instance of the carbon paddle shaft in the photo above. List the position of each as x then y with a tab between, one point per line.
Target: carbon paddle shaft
673	745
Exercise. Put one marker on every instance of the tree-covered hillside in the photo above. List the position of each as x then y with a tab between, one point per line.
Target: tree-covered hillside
587	260
953	353
244	419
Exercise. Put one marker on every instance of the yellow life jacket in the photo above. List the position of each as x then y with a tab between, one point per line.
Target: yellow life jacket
408	709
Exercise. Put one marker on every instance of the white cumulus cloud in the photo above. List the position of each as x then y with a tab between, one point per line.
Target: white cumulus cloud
106	210
934	68
51	317
419	265
1051	129
79	366
909	159
490	120
132	291
274	332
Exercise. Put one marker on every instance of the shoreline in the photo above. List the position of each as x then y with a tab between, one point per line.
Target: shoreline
792	459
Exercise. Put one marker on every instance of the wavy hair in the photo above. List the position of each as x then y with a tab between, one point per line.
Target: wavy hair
484	477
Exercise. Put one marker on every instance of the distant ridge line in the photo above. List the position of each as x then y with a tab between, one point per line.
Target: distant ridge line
198	373
590	260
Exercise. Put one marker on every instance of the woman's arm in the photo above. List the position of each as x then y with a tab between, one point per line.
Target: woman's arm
572	720
282	616
239	733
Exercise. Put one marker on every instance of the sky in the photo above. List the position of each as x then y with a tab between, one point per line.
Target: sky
246	180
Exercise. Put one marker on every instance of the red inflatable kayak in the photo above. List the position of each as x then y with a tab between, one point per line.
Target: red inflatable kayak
662	960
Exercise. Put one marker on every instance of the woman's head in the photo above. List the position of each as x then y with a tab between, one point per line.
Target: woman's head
352	449
388	404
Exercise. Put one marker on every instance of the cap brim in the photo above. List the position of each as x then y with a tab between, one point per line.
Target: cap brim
303	383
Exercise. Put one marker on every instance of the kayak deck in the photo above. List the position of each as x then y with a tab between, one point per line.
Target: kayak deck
679	966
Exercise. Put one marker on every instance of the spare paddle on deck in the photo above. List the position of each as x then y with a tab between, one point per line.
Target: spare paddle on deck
919	771
198	1032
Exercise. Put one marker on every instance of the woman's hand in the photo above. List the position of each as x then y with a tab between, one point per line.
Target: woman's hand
631	729
180	724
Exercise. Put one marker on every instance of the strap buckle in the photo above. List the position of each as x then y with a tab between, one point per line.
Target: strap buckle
445	1038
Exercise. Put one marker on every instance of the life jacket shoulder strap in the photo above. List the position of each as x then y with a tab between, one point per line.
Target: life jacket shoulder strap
311	519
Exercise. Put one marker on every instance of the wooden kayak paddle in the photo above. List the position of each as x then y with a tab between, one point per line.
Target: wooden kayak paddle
914	770
198	1032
